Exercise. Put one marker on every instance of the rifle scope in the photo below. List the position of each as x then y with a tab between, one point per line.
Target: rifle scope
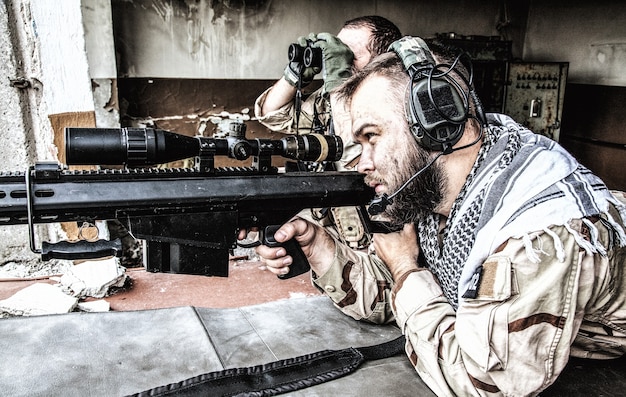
136	147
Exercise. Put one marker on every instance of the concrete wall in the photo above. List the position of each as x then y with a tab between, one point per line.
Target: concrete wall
47	76
45	44
182	63
590	35
249	40
101	63
16	126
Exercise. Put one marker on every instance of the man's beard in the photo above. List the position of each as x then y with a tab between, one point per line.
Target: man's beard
420	196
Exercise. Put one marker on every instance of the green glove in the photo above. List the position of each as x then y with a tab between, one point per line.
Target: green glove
338	59
292	71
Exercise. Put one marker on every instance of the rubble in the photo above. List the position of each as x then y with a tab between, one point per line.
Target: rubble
94	306
94	278
26	267
38	299
91	279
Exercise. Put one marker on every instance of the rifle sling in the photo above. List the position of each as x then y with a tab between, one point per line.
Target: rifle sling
281	376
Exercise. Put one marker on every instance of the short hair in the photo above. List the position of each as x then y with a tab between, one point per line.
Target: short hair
389	66
384	32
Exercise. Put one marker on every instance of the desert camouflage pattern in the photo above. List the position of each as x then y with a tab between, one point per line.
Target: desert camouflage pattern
515	337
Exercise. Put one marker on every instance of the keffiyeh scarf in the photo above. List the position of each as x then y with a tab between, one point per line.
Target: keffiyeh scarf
521	182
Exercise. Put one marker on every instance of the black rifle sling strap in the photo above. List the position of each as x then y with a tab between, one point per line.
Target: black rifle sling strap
281	376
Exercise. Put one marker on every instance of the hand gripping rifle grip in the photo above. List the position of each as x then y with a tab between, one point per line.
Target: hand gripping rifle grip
300	264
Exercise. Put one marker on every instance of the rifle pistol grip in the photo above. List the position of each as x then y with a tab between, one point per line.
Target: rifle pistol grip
300	264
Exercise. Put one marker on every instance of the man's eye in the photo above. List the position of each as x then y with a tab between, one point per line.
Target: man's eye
370	136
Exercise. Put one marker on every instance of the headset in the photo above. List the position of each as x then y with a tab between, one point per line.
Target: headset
438	106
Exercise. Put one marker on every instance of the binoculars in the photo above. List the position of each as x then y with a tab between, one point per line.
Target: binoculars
309	56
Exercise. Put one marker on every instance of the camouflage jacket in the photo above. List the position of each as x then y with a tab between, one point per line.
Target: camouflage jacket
515	337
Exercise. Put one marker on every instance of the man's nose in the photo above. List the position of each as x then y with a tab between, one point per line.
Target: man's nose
365	164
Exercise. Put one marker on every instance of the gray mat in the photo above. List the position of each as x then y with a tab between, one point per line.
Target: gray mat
119	353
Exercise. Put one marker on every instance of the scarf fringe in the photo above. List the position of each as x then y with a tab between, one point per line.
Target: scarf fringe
618	232
593	233
558	245
531	252
589	248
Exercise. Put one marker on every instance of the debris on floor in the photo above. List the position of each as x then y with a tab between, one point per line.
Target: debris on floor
38	299
27	267
87	280
94	278
94	306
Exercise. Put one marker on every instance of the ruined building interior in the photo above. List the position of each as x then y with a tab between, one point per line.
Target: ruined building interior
192	67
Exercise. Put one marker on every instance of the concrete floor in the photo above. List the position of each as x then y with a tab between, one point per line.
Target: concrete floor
246	285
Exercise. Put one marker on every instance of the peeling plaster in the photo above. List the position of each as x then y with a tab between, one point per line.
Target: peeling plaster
215	38
610	61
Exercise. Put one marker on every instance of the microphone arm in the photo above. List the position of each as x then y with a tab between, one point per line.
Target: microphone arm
380	203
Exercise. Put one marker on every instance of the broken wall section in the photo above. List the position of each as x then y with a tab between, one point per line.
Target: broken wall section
44	57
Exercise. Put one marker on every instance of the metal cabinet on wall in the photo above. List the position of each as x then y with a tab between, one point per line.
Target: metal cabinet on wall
534	95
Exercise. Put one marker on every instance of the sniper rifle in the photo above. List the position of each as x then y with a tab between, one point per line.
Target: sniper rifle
188	217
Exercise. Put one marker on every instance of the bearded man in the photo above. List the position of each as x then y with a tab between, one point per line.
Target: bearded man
510	256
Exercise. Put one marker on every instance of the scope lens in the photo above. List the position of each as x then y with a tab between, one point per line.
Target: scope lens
93	146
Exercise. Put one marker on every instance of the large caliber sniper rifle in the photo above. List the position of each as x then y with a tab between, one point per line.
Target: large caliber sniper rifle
188	217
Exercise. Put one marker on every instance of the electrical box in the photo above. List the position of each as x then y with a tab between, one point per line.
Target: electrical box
534	95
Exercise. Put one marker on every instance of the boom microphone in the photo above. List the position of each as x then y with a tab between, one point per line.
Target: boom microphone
380	203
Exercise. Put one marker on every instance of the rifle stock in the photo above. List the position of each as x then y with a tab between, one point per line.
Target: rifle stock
188	217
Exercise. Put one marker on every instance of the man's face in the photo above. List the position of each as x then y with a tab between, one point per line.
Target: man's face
357	40
390	154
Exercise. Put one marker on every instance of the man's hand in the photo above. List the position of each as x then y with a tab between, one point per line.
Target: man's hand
317	245
338	59
294	69
398	250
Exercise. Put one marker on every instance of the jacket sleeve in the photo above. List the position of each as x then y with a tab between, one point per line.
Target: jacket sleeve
513	338
359	284
283	119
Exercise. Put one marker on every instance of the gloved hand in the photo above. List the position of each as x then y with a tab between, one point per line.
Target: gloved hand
338	59
292	70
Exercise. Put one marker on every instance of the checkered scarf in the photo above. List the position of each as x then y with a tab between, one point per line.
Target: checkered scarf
521	182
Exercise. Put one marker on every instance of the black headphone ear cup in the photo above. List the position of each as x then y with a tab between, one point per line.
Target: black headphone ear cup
437	105
436	113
